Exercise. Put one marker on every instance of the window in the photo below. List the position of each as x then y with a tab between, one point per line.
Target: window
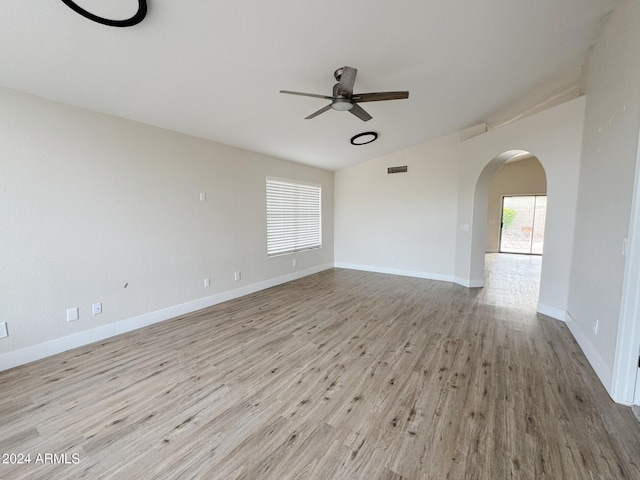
523	219
294	220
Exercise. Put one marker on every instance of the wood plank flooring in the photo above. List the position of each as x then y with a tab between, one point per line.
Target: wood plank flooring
340	375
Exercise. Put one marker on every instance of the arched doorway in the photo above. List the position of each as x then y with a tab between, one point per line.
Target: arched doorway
555	138
516	216
487	223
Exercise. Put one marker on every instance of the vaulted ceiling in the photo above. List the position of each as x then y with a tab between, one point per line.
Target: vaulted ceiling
213	69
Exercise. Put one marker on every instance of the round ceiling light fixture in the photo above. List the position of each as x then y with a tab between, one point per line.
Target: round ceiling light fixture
364	138
134	19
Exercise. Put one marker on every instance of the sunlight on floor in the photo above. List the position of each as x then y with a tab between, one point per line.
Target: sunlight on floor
511	280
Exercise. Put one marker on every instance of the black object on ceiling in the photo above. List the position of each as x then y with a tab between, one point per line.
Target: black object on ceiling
128	22
364	138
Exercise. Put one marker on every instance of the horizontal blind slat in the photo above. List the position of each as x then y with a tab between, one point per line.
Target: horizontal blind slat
294	220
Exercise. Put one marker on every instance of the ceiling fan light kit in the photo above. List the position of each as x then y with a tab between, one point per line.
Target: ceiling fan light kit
343	98
342	105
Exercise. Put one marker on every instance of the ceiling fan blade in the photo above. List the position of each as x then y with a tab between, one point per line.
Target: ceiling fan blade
322	110
359	112
289	92
347	80
379	96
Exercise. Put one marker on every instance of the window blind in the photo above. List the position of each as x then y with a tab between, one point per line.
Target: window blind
294	220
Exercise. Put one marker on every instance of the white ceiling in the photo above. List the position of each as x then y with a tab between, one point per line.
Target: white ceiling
213	69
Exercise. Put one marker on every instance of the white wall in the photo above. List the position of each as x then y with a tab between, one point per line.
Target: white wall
612	123
400	223
554	136
520	177
90	203
420	218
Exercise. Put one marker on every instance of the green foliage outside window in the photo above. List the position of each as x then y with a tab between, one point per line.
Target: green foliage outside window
508	214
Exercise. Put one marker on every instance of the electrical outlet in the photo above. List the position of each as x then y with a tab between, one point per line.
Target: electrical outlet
237	276
295	262
97	308
207	283
596	324
72	314
3	330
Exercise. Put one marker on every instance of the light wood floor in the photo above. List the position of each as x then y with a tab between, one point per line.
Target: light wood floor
340	375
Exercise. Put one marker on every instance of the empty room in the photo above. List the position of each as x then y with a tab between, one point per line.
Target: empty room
320	240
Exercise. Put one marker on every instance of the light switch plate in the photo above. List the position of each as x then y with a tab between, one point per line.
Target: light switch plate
72	314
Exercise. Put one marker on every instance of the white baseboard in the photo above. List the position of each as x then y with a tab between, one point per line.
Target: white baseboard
396	271
59	345
473	283
551	311
604	373
469	282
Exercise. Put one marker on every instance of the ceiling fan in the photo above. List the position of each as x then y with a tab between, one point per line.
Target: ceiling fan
344	99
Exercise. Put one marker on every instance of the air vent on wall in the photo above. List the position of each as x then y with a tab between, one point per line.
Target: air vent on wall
402	169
